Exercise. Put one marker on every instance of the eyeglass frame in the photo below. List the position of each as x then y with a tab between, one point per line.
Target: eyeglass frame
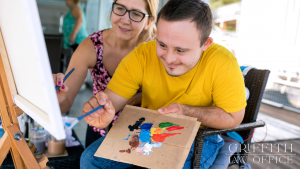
128	12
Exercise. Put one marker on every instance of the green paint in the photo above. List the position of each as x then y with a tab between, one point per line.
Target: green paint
167	124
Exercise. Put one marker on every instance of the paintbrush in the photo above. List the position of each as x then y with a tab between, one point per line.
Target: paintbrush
75	122
57	87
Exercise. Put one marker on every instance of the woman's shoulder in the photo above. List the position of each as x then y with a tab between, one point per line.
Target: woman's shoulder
97	36
99	33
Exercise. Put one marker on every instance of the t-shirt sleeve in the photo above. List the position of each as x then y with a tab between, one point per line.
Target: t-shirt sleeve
128	76
228	86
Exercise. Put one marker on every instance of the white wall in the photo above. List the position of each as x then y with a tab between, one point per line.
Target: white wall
105	8
92	15
269	34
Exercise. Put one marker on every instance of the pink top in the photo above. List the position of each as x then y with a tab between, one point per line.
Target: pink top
99	74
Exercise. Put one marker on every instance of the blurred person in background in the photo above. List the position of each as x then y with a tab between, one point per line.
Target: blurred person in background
74	25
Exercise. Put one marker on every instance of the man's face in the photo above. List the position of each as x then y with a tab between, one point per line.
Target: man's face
178	46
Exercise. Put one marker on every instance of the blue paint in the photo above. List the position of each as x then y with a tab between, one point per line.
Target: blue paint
145	136
157	144
127	137
146	126
148	147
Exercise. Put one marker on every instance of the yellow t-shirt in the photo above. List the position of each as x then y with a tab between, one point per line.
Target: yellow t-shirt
215	80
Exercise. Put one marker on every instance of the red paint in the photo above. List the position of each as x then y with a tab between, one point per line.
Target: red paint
161	137
174	128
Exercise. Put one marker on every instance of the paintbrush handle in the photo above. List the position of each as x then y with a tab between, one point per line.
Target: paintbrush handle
57	87
83	116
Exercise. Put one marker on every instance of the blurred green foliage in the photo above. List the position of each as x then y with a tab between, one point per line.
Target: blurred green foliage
218	3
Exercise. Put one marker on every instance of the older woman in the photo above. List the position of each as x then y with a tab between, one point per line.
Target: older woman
132	23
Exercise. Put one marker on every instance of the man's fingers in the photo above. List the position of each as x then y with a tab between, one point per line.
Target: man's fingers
101	97
94	104
86	108
173	108
108	106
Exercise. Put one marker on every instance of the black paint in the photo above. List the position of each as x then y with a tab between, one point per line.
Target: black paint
137	124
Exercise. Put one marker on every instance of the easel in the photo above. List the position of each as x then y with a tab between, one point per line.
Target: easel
13	140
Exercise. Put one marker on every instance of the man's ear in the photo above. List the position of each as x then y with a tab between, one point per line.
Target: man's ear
207	43
148	23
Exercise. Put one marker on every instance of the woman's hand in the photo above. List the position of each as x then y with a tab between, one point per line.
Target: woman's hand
102	117
63	89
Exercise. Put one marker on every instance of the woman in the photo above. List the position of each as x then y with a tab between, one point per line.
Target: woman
74	25
132	23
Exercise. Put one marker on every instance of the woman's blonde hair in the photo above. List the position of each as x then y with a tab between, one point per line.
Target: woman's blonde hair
150	33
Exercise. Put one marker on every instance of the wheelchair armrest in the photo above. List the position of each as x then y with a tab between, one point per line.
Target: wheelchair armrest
209	131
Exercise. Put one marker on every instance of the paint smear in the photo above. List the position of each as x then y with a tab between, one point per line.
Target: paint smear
127	151
127	137
148	148
145	136
139	150
167	124
174	128
146	126
156	131
162	137
134	142
137	124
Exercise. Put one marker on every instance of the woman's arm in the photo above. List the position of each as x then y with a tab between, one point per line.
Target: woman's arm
83	58
77	14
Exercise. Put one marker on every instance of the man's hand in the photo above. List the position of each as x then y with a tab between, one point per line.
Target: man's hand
102	117
175	108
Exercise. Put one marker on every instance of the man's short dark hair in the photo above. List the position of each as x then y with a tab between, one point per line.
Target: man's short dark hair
195	10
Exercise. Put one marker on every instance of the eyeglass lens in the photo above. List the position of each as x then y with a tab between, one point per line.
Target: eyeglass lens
133	15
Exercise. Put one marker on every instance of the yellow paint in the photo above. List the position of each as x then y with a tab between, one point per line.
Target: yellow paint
156	131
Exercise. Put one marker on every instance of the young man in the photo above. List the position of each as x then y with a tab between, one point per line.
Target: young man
181	72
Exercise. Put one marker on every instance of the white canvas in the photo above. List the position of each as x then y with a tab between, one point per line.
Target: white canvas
24	41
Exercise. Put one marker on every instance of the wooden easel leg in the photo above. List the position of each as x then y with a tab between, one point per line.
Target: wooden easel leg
22	147
8	112
7	121
16	157
4	147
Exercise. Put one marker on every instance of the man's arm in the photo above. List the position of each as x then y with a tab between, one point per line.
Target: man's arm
118	101
212	116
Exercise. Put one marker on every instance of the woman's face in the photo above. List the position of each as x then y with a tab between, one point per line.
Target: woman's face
69	3
123	26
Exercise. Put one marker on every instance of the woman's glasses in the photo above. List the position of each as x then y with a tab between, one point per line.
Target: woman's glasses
134	15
